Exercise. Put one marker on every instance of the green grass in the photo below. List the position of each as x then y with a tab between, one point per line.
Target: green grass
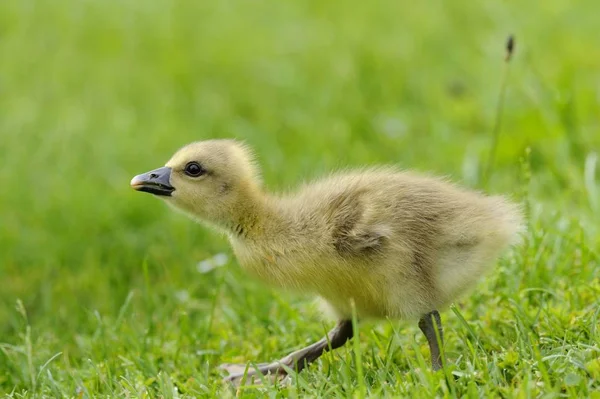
99	292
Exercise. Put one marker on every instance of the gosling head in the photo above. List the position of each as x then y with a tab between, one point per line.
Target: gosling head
211	180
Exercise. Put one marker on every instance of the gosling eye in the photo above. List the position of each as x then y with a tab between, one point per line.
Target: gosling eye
194	169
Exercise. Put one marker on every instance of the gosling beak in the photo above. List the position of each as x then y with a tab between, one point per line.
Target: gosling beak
154	182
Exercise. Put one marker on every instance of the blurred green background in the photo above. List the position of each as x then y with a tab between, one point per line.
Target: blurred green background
94	92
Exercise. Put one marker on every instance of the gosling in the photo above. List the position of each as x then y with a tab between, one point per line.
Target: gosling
386	243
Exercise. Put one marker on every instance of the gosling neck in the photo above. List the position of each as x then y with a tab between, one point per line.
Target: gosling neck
252	216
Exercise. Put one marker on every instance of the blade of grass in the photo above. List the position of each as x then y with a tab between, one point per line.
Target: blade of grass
499	111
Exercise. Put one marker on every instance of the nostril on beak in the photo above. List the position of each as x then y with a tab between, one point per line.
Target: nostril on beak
153	175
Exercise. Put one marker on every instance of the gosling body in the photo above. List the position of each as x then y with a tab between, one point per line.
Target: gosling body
396	243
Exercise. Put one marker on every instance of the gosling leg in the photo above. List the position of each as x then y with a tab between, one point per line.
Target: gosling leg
427	326
297	360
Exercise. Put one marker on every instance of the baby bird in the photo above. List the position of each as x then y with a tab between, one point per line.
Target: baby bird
391	244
